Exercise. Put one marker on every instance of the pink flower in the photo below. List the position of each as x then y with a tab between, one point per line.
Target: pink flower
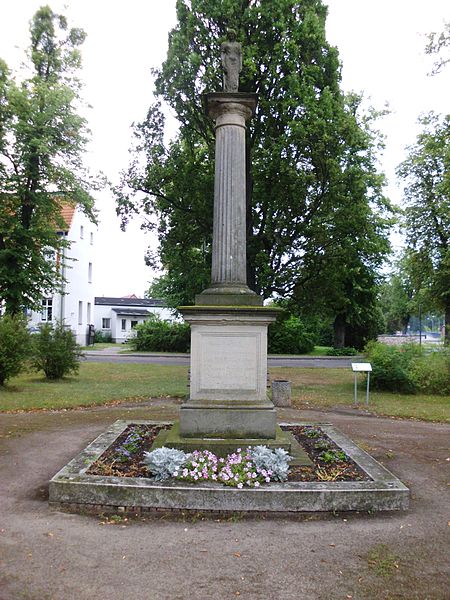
240	485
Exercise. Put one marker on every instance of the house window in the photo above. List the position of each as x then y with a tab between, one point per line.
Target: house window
124	324
47	309
80	313
88	312
92	238
133	324
81	232
90	273
106	323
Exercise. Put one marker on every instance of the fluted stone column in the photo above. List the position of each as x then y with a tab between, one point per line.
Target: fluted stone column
229	263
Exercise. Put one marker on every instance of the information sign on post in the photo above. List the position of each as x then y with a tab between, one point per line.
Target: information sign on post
362	368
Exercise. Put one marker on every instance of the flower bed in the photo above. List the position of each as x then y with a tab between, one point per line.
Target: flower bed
127	458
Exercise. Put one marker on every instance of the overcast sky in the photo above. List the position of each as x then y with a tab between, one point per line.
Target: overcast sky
380	42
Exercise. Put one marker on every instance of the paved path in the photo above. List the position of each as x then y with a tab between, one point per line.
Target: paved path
108	355
48	555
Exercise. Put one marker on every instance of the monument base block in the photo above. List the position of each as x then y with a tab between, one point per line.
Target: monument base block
228	378
230	419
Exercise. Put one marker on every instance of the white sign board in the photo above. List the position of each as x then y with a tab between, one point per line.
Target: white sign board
361	367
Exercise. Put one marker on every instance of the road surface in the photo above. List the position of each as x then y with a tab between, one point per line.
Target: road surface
183	359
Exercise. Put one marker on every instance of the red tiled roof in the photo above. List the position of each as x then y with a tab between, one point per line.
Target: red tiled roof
67	212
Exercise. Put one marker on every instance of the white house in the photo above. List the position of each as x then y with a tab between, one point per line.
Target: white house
73	303
118	316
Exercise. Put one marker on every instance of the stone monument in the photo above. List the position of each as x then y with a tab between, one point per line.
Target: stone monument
228	404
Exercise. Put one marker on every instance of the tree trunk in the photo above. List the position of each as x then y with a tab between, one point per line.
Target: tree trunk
405	323
339	331
447	324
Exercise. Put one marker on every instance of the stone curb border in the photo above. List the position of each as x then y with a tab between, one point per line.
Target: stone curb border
72	489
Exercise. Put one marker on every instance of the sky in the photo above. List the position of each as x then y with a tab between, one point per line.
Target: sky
381	46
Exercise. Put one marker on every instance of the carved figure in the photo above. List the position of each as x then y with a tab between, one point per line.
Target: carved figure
231	62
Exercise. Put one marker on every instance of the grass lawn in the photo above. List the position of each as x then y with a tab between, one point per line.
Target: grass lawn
101	346
97	383
321	388
101	383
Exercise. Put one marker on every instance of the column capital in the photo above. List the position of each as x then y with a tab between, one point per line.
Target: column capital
219	104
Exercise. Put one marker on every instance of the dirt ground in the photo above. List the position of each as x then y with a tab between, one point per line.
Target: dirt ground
46	554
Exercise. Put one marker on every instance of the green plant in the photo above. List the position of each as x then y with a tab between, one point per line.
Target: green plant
347	351
290	336
14	346
312	433
100	337
322	445
331	456
160	336
431	372
409	369
55	351
390	366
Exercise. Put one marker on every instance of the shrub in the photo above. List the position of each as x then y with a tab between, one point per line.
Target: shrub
290	336
347	351
100	337
160	336
431	373
14	346
390	367
55	351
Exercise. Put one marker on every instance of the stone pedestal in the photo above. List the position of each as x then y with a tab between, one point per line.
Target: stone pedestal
228	387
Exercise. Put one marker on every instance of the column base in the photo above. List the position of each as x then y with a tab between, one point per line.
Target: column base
228	295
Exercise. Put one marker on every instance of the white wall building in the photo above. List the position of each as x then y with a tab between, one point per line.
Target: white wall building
118	316
73	304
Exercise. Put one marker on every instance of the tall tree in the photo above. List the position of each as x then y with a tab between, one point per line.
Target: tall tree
311	174
426	172
439	45
41	143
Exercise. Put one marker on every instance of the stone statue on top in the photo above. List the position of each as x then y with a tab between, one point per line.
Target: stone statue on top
231	51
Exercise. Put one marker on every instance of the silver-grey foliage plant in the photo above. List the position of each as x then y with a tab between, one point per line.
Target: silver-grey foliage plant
163	462
276	461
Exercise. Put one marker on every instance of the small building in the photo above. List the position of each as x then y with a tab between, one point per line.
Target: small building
119	316
73	303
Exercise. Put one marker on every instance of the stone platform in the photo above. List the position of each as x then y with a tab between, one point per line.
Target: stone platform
73	489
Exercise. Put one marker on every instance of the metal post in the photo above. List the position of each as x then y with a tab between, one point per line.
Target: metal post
356	398
367	391
420	324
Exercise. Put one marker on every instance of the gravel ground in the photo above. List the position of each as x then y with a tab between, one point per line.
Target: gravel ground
46	554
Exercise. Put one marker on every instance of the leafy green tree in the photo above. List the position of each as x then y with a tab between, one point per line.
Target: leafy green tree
426	172
41	143
439	45
14	346
312	183
401	294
